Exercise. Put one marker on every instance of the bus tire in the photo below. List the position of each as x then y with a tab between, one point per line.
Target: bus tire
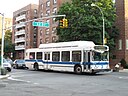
93	72
36	67
78	69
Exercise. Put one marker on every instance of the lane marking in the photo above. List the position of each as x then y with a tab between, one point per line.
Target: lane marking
11	78
124	77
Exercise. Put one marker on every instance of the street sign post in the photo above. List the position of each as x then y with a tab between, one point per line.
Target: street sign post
40	24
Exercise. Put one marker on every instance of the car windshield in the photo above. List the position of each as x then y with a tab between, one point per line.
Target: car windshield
97	56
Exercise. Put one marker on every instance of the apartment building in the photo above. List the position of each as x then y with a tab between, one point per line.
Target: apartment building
121	50
27	36
24	34
7	24
47	8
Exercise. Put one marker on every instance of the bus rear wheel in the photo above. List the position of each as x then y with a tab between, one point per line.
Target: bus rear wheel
36	67
78	69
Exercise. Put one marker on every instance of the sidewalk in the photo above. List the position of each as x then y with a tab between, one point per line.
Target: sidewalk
124	70
4	76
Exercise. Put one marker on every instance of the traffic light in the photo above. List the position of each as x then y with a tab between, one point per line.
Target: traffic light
61	23
65	23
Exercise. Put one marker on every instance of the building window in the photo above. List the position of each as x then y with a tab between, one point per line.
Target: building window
27	35
54	39
47	12
41	41
120	44
114	57
53	20
46	40
54	30
54	1
48	3
41	14
41	32
35	11
47	32
34	35
34	44
42	6
48	20
127	44
54	10
35	28
26	43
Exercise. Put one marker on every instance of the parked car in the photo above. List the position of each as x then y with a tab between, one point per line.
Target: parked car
19	63
7	65
9	61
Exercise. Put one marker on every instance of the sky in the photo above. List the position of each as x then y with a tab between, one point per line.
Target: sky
9	6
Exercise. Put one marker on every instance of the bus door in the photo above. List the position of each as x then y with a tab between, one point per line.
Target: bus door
87	60
46	59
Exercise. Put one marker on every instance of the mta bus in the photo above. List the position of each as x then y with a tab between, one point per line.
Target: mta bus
73	56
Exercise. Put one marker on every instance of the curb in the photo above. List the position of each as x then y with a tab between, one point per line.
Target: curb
124	70
4	76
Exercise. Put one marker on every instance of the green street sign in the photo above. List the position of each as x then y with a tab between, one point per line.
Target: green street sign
40	24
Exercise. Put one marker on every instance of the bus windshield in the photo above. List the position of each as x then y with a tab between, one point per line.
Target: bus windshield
100	56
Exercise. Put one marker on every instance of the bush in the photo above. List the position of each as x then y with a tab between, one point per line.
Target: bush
123	63
126	66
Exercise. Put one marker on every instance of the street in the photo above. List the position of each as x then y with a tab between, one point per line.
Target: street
44	83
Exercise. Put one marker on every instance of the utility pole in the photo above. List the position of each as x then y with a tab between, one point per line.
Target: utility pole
103	21
2	45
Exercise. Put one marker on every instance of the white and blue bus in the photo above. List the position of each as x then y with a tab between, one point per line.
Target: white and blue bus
74	56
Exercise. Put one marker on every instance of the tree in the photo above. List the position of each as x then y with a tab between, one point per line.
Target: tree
85	21
8	46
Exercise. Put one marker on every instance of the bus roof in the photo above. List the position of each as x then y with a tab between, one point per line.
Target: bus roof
72	44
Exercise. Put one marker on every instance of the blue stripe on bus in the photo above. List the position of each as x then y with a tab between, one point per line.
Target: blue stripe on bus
95	63
73	63
51	62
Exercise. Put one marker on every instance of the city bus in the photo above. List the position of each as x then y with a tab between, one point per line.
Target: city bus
73	56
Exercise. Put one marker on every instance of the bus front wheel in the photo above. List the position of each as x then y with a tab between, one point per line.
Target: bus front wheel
36	67
78	69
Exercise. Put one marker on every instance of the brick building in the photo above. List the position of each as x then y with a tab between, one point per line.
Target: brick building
46	8
121	50
24	34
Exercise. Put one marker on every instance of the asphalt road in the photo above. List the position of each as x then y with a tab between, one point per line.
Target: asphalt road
40	83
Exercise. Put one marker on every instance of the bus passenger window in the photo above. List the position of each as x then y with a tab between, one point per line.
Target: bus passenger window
55	56
32	55
65	55
47	56
76	56
39	55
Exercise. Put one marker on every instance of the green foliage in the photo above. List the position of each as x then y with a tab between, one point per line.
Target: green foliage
8	46
8	36
86	22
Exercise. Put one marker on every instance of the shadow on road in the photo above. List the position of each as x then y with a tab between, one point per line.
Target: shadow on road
64	72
